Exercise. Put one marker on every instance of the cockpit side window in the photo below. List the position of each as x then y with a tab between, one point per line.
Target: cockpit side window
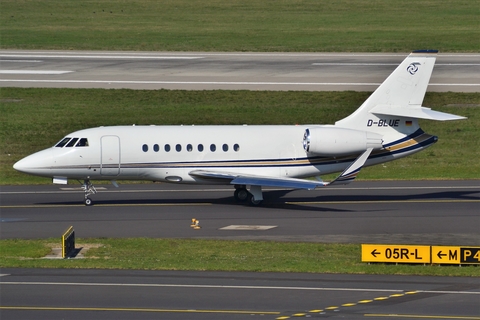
62	142
72	143
83	142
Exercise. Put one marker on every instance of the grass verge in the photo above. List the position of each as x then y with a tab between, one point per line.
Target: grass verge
213	255
34	119
241	25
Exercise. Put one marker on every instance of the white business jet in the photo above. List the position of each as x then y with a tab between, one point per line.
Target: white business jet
382	129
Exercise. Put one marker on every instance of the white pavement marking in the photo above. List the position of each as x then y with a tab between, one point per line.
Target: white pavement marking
33	72
386	64
20	61
67	190
100	56
161	285
229	83
247	227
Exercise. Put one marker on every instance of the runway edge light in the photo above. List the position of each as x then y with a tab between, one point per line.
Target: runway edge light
195	224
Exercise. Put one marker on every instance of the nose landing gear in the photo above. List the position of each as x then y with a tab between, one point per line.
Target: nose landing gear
89	189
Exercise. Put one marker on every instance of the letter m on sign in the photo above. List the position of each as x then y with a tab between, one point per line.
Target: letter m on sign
452	255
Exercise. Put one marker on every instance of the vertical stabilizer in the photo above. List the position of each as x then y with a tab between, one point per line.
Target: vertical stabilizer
404	89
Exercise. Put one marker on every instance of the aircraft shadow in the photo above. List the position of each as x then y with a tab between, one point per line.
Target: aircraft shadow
281	199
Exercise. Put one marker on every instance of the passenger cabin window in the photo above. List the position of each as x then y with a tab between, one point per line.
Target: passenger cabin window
63	142
145	148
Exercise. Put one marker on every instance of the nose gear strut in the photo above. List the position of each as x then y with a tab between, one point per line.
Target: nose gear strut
89	189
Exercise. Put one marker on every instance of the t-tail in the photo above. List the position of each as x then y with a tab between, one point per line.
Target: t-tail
393	110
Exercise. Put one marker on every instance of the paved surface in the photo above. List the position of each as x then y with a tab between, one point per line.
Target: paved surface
407	212
113	294
202	70
427	212
442	213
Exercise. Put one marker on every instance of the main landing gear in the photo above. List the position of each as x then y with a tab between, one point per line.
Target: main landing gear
254	197
89	189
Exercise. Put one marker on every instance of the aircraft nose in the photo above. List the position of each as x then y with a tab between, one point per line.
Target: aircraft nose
35	163
22	165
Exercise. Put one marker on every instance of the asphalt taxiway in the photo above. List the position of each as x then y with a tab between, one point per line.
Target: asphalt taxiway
114	294
405	212
409	212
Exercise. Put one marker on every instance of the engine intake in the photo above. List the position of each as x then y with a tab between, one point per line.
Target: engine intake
334	141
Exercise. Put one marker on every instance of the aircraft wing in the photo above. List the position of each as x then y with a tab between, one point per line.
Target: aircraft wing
254	180
347	176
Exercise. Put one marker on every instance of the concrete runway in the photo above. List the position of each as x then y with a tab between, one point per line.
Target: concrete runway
114	294
405	212
234	71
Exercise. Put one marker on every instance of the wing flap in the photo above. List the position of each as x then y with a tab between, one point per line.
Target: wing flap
253	180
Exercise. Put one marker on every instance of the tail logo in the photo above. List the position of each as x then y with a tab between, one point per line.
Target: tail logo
413	68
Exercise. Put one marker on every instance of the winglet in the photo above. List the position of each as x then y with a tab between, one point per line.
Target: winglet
349	174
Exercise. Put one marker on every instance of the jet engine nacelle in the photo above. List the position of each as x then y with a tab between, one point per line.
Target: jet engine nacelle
334	141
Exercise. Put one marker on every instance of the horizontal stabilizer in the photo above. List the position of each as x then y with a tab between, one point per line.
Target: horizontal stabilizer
417	112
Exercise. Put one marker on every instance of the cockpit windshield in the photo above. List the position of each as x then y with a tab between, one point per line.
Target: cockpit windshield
62	142
72	142
82	143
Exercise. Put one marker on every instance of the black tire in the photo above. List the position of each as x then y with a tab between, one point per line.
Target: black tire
88	202
253	202
241	194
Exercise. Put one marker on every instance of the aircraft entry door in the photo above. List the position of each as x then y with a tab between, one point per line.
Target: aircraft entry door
110	146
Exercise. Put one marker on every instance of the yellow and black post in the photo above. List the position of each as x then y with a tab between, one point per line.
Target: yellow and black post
68	242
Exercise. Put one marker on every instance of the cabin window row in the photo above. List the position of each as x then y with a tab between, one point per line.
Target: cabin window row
200	148
72	142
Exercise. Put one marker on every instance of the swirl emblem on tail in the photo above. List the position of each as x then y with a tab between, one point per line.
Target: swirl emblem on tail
413	68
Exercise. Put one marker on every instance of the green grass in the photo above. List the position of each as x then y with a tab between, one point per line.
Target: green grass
34	119
242	25
214	255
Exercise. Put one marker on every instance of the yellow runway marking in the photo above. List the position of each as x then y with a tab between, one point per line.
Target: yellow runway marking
365	301
383	201
331	308
349	304
37	206
138	310
409	316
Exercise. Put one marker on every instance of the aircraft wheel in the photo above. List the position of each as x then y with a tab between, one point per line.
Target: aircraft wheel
241	194
88	202
253	202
